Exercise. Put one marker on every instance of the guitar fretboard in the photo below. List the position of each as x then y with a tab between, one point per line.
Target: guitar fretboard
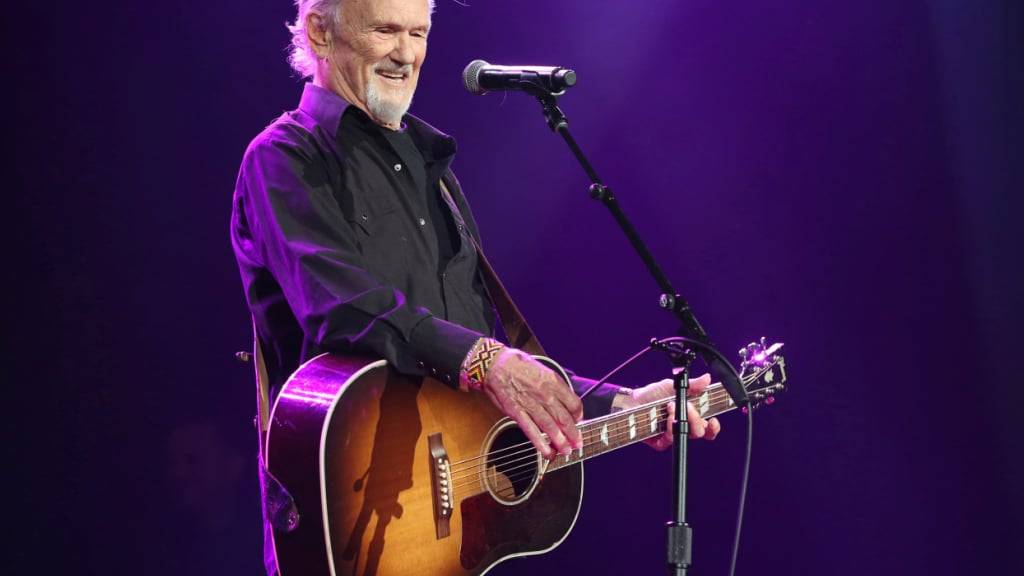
621	429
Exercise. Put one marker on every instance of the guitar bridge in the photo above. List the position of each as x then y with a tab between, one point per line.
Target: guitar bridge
442	487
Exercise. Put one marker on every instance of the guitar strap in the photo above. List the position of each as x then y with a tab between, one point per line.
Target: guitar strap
278	505
518	332
262	388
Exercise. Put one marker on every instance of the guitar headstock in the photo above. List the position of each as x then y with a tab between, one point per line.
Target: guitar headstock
763	372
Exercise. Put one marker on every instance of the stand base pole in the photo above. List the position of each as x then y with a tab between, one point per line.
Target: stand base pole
680	535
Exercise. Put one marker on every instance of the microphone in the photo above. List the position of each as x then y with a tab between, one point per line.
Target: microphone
479	77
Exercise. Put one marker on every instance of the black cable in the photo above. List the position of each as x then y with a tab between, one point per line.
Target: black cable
743	491
615	371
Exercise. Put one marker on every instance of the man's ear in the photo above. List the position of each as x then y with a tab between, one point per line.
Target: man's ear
318	36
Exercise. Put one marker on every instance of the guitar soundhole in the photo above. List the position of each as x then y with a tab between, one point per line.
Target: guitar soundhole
512	464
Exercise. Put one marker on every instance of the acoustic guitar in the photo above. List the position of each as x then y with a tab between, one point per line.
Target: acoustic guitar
397	475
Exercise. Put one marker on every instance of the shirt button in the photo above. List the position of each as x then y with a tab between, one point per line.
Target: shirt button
423	222
398	167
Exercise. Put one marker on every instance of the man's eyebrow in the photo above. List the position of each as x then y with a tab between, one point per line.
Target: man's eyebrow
398	26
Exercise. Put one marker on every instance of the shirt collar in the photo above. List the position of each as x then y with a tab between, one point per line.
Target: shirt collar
324	106
434	144
327	109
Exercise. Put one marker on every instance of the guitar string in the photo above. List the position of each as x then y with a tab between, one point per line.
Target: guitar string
714	390
531	461
513	478
526	446
517	473
591	437
714	402
615	433
619	432
525	474
615	427
716	393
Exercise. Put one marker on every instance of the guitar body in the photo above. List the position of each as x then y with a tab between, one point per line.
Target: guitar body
354	443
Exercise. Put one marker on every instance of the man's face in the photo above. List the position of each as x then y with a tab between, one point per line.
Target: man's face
377	56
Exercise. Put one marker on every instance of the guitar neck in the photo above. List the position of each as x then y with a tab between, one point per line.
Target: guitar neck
620	429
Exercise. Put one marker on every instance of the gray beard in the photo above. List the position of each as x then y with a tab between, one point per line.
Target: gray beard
385	110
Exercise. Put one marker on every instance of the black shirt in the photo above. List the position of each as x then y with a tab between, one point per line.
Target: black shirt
340	249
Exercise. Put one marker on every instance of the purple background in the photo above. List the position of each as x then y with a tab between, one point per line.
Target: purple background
844	178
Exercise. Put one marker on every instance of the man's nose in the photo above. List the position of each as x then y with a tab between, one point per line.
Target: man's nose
403	52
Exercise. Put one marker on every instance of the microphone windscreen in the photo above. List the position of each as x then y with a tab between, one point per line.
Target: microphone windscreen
471	76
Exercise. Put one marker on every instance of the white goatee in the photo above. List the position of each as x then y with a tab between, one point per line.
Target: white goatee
386	110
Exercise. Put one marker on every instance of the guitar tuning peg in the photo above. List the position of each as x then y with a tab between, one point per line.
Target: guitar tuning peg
743	353
769	401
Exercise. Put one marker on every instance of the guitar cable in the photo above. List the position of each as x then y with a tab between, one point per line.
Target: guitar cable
743	492
656	343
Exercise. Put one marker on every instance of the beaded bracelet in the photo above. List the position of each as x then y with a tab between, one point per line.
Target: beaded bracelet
478	362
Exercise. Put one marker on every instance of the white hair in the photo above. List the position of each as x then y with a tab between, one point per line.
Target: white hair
300	55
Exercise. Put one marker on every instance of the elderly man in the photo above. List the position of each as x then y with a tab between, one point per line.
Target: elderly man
353	235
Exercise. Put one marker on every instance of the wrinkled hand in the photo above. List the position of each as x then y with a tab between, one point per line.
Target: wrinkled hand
699	427
537	399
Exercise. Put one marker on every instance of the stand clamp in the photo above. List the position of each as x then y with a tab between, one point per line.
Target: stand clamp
680	547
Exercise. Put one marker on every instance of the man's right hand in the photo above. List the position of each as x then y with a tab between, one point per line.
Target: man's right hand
537	399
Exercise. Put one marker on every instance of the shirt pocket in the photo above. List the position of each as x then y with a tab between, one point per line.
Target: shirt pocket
381	237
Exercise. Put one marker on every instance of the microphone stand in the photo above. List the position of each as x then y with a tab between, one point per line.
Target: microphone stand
680	535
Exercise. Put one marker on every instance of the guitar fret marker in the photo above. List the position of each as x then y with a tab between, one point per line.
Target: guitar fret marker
703	404
604	434
632	426
654	419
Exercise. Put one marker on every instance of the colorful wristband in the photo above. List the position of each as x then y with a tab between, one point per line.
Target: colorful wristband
478	362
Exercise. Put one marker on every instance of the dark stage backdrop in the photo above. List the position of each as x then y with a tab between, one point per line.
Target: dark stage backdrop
842	177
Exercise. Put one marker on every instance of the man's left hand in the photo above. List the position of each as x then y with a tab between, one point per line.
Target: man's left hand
664	389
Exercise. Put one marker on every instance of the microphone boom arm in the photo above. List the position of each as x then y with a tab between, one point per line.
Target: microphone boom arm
670	299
